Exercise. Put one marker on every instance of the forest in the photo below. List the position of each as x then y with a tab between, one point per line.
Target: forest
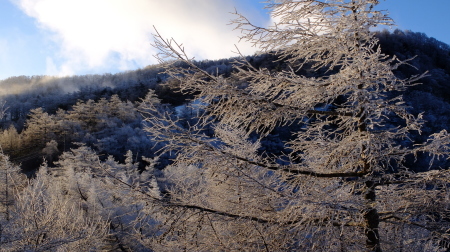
333	137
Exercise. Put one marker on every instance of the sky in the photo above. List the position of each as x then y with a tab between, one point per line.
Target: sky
73	37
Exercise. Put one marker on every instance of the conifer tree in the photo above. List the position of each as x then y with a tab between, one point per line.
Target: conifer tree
11	182
45	218
10	140
342	183
39	127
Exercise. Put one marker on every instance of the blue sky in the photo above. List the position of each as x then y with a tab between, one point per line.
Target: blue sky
66	37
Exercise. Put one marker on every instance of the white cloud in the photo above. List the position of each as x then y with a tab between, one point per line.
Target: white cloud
50	66
105	34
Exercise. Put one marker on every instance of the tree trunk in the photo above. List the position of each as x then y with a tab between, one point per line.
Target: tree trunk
372	219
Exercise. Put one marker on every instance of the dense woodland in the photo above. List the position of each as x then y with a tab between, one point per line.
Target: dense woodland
148	160
103	110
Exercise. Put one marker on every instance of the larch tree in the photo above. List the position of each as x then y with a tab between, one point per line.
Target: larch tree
342	183
11	182
39	128
10	140
44	217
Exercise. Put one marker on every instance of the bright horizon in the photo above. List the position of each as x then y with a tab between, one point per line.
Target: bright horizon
67	37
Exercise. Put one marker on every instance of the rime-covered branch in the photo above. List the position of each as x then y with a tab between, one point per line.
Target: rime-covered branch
345	160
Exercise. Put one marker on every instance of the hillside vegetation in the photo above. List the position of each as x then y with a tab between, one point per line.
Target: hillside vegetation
88	103
222	155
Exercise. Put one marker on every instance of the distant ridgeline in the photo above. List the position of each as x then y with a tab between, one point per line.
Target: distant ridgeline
102	111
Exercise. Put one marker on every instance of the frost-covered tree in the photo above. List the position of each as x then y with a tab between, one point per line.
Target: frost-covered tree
342	183
11	182
45	218
10	140
85	114
50	150
39	128
106	190
122	110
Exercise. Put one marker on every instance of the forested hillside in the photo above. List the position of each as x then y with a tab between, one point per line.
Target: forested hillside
82	109
282	150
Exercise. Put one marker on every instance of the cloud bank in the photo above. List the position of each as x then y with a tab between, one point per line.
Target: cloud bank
98	35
